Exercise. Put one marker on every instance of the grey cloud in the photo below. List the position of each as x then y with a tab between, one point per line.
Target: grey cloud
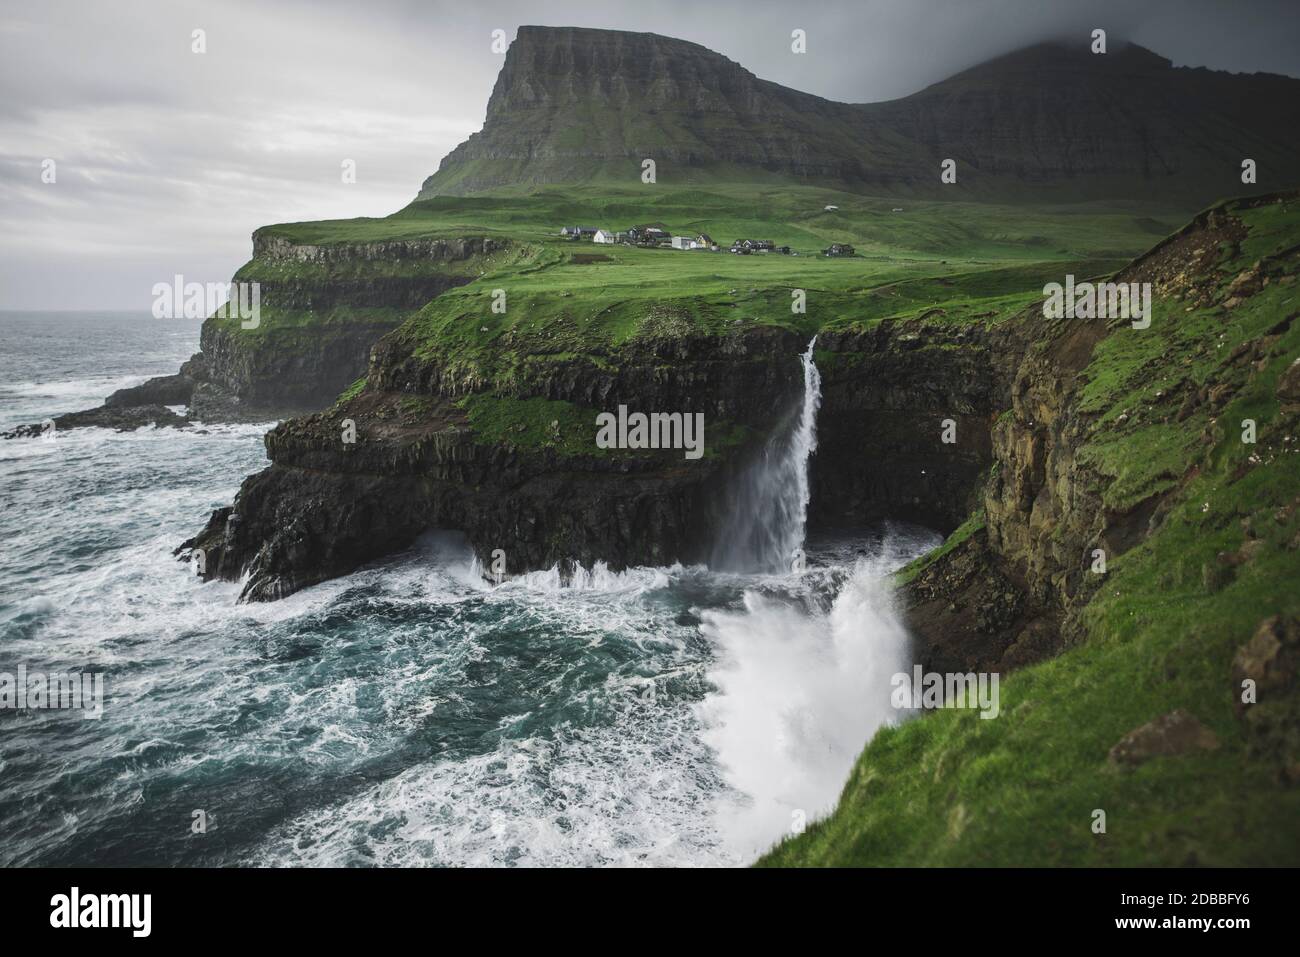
168	160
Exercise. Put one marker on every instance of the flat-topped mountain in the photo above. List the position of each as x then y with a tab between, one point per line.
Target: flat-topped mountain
573	104
577	105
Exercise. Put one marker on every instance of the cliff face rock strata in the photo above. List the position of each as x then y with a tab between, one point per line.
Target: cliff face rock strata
420	462
1009	594
239	377
324	507
324	307
886	393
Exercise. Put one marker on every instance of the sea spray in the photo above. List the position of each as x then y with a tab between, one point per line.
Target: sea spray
766	528
798	696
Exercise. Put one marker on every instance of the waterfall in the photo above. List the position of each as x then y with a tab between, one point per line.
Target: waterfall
765	529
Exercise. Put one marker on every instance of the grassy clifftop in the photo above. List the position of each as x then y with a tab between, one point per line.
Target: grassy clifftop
788	214
545	298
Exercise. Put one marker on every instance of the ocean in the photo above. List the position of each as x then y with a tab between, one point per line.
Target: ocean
410	713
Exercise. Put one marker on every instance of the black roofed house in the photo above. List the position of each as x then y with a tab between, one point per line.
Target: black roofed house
650	233
705	240
839	249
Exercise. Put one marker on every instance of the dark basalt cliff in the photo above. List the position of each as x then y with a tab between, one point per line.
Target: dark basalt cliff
1001	596
575	104
325	306
325	506
509	458
322	309
886	394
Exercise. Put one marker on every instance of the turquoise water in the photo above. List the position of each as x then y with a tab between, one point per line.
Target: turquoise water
410	713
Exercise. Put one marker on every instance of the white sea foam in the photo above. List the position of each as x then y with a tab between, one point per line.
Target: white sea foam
413	712
799	694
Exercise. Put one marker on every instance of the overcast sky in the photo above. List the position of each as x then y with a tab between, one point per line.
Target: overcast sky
166	160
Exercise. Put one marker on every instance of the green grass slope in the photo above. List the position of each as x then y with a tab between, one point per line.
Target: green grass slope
951	788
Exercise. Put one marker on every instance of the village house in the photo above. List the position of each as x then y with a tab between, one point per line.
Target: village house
650	234
705	241
683	242
578	232
605	237
839	249
830	209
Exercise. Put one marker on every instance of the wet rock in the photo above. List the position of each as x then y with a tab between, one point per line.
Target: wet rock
162	390
1038	640
121	419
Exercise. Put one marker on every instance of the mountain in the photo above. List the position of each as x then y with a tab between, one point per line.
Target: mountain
573	103
576	105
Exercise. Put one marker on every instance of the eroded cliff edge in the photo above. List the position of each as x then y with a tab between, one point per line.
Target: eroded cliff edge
500	444
321	306
516	470
1105	428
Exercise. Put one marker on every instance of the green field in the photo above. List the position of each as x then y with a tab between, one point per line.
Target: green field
789	215
946	261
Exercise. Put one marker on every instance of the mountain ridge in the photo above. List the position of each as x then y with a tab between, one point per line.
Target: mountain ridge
574	105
